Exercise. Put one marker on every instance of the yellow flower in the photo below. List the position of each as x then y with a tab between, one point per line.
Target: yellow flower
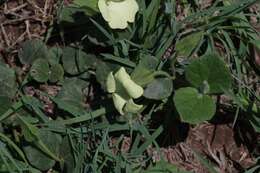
118	13
133	90
124	90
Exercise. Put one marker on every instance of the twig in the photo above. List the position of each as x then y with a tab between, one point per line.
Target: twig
5	36
27	23
20	38
35	6
12	10
17	20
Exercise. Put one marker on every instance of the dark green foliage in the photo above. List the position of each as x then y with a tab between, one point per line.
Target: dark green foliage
55	113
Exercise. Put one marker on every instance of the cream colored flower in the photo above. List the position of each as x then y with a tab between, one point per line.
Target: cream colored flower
133	90
124	90
119	103
118	13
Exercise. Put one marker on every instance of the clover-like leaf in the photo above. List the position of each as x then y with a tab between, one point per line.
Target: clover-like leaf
76	61
159	89
194	107
40	70
71	96
209	69
56	73
118	13
32	50
55	54
8	83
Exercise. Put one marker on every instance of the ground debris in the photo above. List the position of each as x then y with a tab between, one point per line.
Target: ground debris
23	20
216	143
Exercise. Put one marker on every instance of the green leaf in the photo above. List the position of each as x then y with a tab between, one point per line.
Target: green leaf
36	157
144	72
55	55
40	70
33	104
256	43
56	73
76	14
8	85
32	50
151	14
69	62
159	89
102	72
192	106
209	69
76	61
22	166
89	5
71	96
30	132
66	153
186	45
8	141
5	103
119	60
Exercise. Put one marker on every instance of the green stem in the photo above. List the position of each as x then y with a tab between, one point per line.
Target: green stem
10	111
12	144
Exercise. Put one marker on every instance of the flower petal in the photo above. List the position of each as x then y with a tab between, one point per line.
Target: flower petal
119	103
130	86
103	8
132	107
118	13
110	83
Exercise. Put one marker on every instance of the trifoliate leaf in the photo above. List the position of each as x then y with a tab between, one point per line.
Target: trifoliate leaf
56	73
32	50
40	70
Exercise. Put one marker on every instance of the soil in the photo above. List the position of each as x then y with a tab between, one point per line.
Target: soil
21	20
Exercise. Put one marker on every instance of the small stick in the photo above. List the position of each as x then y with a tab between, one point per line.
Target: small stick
20	38
7	11
5	36
27	23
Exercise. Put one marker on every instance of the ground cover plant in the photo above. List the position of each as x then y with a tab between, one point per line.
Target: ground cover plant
129	86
